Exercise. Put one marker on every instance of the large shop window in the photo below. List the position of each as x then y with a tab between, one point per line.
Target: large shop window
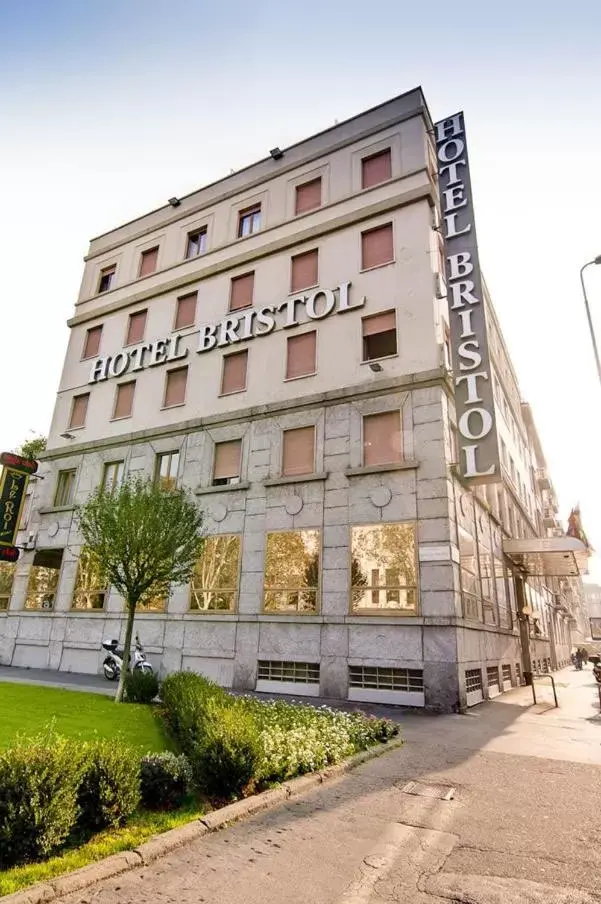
7	576
292	571
471	593
43	579
166	469
214	585
91	584
384	568
150	603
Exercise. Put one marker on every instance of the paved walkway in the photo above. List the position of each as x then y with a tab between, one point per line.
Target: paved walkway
521	827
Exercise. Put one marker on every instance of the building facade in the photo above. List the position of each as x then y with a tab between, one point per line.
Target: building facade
278	343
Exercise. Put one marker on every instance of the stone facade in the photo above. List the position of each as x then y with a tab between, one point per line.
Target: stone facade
444	648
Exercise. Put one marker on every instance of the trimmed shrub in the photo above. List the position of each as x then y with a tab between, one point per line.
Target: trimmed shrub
186	697
141	687
226	757
165	780
39	779
110	787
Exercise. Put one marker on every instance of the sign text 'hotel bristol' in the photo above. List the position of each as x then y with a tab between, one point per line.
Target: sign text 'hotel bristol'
237	327
478	447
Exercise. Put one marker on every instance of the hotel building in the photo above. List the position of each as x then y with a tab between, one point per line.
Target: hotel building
278	342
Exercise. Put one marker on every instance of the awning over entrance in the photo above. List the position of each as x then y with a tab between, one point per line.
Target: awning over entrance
562	557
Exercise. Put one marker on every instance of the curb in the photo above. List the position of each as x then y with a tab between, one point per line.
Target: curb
163	844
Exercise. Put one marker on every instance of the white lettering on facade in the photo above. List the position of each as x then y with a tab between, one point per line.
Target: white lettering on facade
235	328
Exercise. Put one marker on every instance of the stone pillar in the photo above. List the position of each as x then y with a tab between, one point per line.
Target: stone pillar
524	622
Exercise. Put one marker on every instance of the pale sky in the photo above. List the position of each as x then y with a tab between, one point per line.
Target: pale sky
109	107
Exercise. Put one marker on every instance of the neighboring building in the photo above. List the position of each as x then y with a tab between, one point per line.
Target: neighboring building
592	598
278	342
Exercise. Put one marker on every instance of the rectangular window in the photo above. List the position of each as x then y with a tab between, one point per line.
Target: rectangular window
107	278
214	584
241	291
152	603
298	455
376	168
124	400
303	270
226	467
295	672
92	344
7	576
308	196
43	579
378	678
196	242
384	568
292	571
471	591
185	312
377	247
379	336
249	220
301	355
148	261
233	376
65	487
112	475
79	410
91	583
382	438
166	468
175	387
136	327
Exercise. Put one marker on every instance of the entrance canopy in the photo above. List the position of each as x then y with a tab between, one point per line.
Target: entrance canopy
562	557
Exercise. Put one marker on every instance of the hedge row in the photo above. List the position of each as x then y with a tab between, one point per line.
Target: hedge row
236	743
53	790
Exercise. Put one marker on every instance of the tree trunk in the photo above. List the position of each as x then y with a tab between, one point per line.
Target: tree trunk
129	630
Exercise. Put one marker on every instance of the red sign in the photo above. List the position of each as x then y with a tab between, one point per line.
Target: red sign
10	460
9	553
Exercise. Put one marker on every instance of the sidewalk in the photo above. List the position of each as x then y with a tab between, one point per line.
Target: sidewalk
521	828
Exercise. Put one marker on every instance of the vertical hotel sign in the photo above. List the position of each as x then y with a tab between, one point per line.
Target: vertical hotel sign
13	483
478	447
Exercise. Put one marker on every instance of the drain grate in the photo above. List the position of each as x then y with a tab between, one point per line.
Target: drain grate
438	792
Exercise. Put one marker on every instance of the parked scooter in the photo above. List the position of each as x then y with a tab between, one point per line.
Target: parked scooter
113	663
597	672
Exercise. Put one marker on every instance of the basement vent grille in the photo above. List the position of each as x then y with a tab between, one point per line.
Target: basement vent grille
296	672
473	680
384	679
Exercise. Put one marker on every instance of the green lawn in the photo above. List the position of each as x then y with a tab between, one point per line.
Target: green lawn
141	827
27	710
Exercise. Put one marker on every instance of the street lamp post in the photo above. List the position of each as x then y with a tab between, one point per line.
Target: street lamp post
596	260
